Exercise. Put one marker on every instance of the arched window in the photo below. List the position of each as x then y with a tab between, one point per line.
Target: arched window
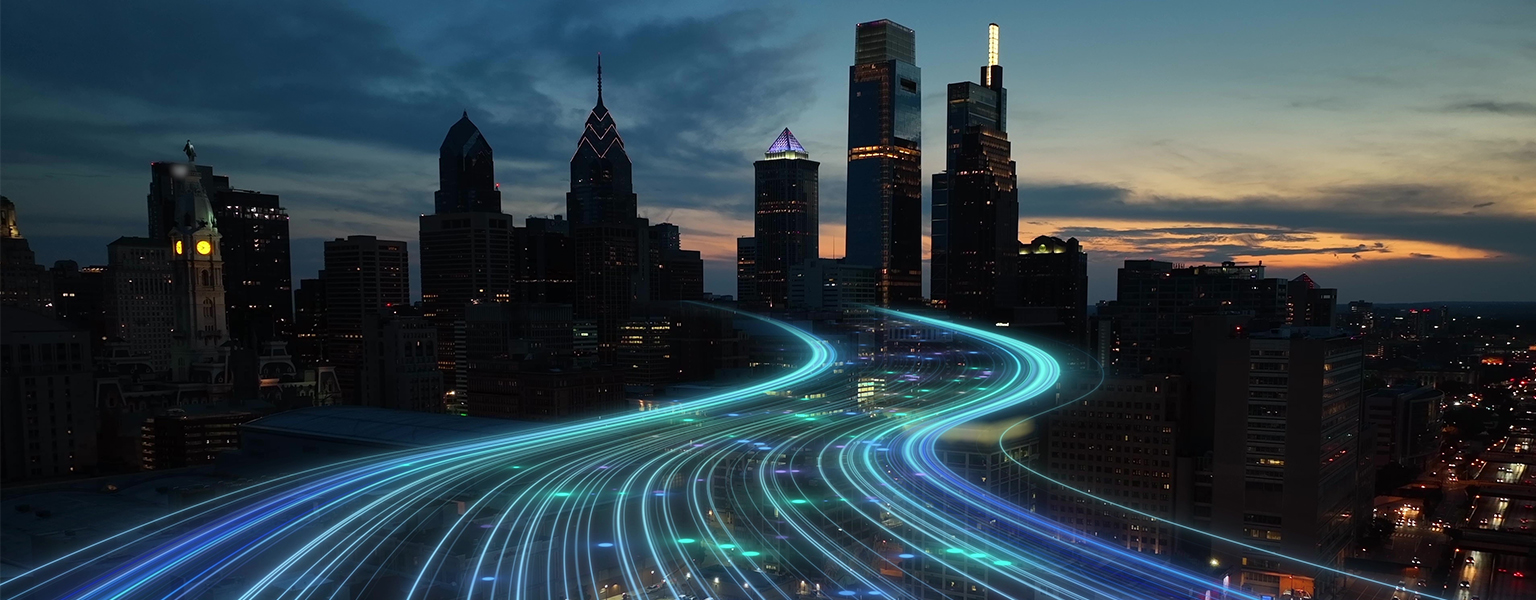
207	280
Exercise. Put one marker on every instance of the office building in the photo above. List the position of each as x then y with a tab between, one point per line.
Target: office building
309	321
79	298
546	271
1288	472
1118	441
1308	305
258	276
885	187
362	275
1053	288
676	275
1155	303
975	224
1407	424
26	283
645	355
746	273
49	414
786	216
467	247
399	368
139	299
608	240
826	284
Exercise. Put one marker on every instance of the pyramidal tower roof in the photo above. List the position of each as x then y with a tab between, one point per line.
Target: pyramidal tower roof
601	135
463	137
786	146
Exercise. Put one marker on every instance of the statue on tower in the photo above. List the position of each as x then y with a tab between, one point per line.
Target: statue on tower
191	152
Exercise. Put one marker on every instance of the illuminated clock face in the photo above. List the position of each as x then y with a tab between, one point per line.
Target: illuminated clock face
179	249
204	247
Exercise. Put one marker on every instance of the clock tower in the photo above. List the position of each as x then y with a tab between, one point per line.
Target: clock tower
199	353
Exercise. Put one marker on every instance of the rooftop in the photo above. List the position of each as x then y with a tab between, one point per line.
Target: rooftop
384	427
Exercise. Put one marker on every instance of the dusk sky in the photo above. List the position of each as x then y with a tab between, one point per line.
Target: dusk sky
1385	148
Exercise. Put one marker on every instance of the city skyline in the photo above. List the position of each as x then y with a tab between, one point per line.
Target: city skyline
1408	167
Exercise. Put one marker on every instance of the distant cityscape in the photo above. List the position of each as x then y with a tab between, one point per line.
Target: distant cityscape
1252	430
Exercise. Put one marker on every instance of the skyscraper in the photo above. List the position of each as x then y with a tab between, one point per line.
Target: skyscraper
167	182
976	199
362	275
466	174
746	273
786	216
468	247
258	276
605	228
1155	302
885	187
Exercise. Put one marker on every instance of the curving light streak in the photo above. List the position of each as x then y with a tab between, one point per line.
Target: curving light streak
792	486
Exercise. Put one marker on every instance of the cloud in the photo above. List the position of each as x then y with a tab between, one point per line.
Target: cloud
1519	109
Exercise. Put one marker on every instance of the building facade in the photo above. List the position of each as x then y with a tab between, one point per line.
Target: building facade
1053	275
362	275
258	272
975	223
885	176
785	216
49	414
139	299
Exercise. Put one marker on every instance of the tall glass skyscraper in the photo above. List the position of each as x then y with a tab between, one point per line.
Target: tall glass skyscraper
885	170
976	200
786	216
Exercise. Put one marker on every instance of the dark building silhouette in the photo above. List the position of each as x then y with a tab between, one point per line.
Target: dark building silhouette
1155	302
468	250
49	416
786	216
80	296
399	368
309	322
139	298
362	275
465	172
1053	288
746	273
609	240
975	225
23	283
546	270
675	274
1310	306
258	275
885	178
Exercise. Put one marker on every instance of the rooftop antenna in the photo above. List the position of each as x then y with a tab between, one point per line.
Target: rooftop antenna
599	76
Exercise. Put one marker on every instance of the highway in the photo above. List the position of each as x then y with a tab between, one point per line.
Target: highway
791	487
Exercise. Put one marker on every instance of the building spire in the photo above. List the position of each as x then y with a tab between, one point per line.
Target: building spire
992	45
599	77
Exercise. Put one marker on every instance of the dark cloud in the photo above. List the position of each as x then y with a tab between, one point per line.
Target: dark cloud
1520	109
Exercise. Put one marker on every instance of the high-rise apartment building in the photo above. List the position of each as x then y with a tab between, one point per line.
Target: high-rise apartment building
468	247
786	216
885	187
1308	305
975	225
362	275
258	275
1288	470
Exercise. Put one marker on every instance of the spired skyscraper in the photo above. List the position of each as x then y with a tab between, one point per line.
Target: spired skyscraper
885	170
786	221
468	247
608	236
976	199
